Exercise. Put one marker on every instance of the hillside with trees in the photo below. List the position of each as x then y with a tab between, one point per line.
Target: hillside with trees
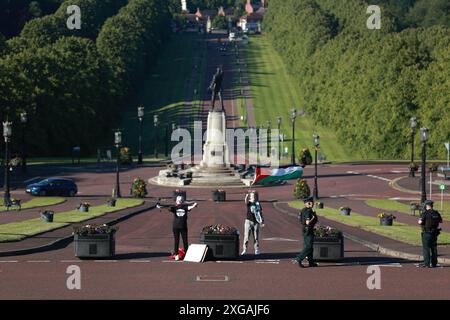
73	83
363	83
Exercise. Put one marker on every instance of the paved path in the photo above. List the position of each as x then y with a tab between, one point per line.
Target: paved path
141	269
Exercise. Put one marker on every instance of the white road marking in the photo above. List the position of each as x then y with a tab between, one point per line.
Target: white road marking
267	262
139	261
389	265
379	178
281	239
9	261
71	261
106	261
38	261
229	262
212	278
32	179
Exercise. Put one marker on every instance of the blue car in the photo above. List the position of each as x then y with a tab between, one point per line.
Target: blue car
53	187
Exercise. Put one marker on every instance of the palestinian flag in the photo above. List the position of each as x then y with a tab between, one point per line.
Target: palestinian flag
267	175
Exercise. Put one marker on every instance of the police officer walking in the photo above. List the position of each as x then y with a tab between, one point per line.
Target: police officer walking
430	220
308	219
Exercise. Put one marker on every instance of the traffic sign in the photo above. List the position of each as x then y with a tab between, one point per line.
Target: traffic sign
442	187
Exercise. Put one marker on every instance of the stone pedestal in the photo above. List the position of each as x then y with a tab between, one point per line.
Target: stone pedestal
215	151
215	169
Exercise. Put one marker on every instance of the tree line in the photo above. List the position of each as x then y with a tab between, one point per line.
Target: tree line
74	83
366	84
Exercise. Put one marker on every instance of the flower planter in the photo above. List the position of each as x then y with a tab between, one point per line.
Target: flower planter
386	221
346	211
221	246
47	216
219	196
179	193
320	205
84	208
94	245
328	248
112	203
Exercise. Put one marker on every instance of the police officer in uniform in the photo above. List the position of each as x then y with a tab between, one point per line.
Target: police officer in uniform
308	219
430	220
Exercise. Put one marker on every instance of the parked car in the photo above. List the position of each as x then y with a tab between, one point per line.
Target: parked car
53	187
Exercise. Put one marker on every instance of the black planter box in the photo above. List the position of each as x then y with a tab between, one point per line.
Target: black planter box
94	246
346	211
179	193
219	196
386	221
328	249
47	216
221	246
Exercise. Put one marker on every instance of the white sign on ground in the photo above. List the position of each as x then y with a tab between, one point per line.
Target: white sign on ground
196	253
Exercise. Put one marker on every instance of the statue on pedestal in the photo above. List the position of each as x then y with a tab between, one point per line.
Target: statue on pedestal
216	88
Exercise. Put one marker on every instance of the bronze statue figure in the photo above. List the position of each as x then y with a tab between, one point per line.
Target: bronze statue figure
216	88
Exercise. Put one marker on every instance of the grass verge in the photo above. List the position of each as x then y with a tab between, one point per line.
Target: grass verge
35	203
275	93
394	205
20	230
399	231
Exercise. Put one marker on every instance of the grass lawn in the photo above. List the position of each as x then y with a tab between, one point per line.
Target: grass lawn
163	92
274	94
402	232
20	230
36	202
393	205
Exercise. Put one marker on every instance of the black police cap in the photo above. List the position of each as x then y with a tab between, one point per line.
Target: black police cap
428	203
310	199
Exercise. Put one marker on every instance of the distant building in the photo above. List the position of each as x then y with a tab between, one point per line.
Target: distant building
252	20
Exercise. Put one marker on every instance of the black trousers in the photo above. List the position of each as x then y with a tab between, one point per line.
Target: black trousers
429	244
176	235
308	250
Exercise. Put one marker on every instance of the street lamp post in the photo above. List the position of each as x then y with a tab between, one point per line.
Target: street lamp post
269	130
413	123
7	132
279	133
424	132
155	124
141	120
23	121
316	146
117	142
293	117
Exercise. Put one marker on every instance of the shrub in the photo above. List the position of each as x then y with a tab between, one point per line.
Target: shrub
302	189
139	188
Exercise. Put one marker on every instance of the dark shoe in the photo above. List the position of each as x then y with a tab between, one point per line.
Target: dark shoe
313	265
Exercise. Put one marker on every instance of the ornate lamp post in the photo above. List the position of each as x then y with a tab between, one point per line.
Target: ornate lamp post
141	120
118	143
279	133
316	147
413	123
293	117
155	124
23	121
7	133
424	133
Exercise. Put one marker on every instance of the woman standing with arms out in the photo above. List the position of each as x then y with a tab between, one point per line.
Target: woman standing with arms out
179	227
